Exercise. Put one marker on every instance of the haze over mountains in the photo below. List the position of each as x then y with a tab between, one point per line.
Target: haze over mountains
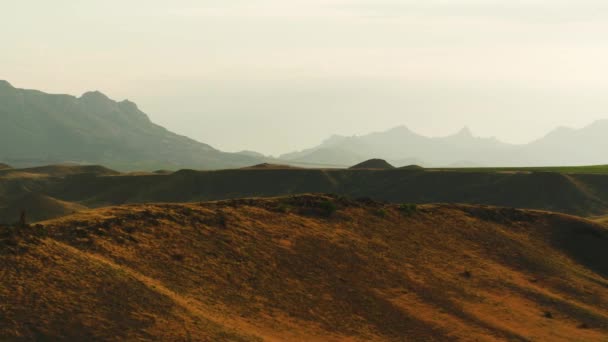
401	146
38	128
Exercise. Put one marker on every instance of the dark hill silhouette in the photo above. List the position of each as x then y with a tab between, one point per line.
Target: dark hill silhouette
412	167
266	166
379	164
4	166
289	269
38	128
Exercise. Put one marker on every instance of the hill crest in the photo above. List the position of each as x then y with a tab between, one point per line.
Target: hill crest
378	164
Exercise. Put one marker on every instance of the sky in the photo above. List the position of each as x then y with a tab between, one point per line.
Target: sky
276	76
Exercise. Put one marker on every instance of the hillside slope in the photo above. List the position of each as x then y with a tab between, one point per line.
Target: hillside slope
294	269
38	128
575	194
94	187
37	207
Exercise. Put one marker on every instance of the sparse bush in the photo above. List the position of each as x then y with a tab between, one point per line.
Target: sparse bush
22	219
381	212
328	208
408	208
179	257
283	208
548	315
222	220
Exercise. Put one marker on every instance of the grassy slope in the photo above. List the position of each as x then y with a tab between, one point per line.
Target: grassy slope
280	269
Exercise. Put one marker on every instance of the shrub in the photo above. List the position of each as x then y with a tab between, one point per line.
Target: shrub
222	220
408	208
22	220
179	257
283	208
380	212
328	208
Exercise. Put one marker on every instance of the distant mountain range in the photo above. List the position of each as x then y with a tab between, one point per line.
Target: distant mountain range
38	128
400	146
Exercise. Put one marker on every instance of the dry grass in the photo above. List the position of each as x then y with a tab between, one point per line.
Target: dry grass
282	269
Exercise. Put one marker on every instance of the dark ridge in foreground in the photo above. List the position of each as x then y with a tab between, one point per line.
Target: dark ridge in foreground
305	268
579	194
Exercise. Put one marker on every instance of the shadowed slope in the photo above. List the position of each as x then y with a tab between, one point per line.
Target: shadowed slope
95	186
37	207
575	194
295	269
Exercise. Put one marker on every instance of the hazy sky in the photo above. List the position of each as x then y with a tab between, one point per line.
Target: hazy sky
279	75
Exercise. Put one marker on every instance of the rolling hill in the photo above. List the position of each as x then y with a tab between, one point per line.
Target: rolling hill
38	128
583	194
306	268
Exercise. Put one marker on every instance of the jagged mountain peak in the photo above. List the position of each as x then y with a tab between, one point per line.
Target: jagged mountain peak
95	95
94	129
129	105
